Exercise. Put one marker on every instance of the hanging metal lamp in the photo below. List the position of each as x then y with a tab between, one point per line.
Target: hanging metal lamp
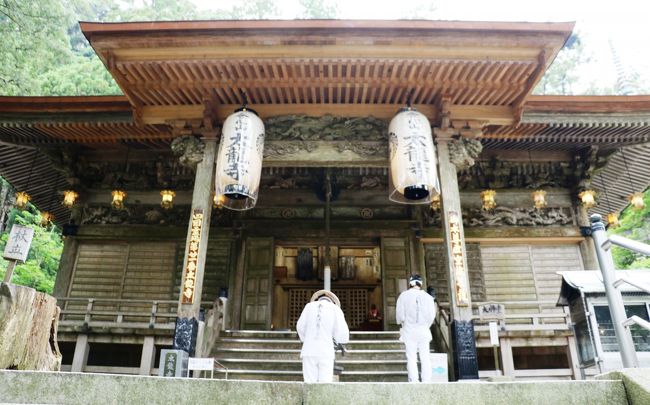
70	198
167	199
588	198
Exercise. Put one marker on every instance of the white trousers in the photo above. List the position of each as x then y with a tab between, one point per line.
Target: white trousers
317	369
413	348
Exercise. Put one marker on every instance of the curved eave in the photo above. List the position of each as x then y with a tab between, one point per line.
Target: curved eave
587	104
91	29
65	104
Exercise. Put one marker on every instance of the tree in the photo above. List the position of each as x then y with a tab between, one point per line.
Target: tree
33	40
418	11
6	202
634	225
563	73
83	76
318	9
255	10
39	271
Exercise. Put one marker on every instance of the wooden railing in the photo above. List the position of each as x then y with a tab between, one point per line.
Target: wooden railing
441	330
527	316
215	322
535	324
117	313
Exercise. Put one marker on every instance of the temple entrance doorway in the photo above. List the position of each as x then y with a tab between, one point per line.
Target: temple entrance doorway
355	279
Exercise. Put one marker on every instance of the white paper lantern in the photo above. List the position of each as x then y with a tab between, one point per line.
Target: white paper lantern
239	162
413	177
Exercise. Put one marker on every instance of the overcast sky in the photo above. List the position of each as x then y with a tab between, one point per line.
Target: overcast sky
624	22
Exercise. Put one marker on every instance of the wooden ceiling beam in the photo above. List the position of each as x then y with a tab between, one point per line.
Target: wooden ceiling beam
354	51
305	82
492	115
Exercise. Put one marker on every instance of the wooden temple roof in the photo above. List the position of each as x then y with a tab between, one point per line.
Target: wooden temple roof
168	70
173	72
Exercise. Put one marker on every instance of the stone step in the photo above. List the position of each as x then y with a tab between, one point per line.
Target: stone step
281	334
290	375
268	340
29	387
288	344
296	364
261	353
275	356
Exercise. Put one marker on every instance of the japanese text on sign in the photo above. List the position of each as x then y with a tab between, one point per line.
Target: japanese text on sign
416	145
17	247
458	265
238	159
192	258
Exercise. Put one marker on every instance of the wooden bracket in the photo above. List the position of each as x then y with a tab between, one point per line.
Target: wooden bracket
210	105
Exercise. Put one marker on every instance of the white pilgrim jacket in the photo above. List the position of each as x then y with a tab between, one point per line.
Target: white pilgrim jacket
319	322
416	311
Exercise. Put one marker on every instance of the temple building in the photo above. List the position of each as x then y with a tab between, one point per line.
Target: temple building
155	257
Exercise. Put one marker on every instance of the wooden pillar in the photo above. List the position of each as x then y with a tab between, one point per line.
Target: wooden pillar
463	348
66	265
80	357
587	248
196	245
148	355
238	293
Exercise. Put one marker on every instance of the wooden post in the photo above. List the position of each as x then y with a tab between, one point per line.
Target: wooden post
574	362
506	358
189	304
80	357
148	355
10	271
463	341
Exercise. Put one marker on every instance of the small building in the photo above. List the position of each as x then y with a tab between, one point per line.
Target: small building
584	294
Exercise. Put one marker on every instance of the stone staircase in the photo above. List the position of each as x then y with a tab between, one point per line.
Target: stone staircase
275	356
628	387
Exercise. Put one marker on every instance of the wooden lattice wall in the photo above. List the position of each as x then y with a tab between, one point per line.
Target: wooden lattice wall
354	303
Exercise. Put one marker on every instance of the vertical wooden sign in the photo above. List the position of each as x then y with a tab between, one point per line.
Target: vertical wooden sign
189	272
458	262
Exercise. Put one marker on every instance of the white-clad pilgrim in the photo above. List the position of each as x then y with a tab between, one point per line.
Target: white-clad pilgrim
416	311
321	321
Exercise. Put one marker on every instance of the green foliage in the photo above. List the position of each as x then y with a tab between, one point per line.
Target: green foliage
39	271
634	225
318	9
419	10
559	78
83	76
148	10
33	40
254	10
44	52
